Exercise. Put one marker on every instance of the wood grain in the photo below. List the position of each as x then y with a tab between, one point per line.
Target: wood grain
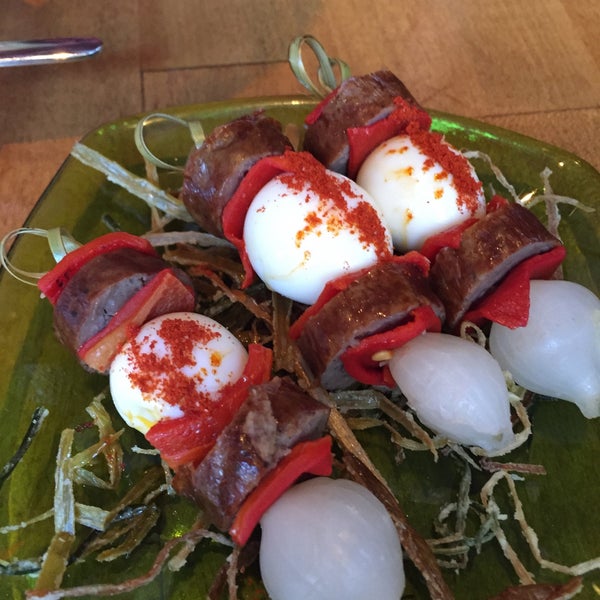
529	66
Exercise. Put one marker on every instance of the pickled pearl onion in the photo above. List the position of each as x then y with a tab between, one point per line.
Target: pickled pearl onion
328	539
558	352
456	388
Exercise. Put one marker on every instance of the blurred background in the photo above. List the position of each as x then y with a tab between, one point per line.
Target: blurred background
533	66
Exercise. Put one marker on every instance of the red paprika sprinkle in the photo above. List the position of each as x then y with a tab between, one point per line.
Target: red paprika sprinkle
428	164
334	193
466	186
400	150
313	220
160	370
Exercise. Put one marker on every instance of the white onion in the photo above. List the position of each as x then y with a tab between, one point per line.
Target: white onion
456	388
326	539
558	352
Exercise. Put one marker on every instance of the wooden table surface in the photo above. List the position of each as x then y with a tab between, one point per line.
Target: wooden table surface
532	66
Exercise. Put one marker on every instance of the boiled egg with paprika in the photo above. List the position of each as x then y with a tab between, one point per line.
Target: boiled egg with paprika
176	362
300	233
422	186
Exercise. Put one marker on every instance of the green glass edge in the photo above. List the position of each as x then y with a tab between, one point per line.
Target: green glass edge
35	369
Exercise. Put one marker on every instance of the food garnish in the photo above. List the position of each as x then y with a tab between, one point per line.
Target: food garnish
262	316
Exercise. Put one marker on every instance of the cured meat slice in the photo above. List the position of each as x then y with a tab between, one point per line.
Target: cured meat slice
380	299
215	169
357	102
95	294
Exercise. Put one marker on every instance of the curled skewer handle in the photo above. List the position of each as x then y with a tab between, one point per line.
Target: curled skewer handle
60	242
195	128
325	73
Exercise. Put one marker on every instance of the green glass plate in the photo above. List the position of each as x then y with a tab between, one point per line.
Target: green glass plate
35	370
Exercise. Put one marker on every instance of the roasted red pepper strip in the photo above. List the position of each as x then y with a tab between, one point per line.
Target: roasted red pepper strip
341	283
164	294
188	439
450	238
315	113
495	202
508	304
313	457
363	140
53	282
358	360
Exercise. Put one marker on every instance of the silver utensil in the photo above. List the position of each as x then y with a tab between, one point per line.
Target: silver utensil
41	52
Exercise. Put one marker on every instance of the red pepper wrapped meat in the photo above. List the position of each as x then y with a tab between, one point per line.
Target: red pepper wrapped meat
485	277
361	315
105	289
215	169
379	100
275	417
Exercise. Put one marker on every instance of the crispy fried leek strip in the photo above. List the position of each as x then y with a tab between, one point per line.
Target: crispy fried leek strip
502	180
180	559
244	557
138	186
151	479
90	516
220	259
454	545
84	476
347	400
407	420
552	200
133	531
375	400
23	524
196	238
20	566
55	561
194	536
540	591
492	466
548	197
122	528
232	572
362	469
37	419
284	353
487	498
57	556
113	452
129	521
234	294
